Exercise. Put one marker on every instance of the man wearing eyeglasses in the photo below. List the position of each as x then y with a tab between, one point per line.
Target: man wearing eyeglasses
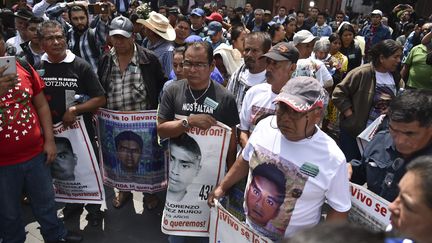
201	99
409	136
313	165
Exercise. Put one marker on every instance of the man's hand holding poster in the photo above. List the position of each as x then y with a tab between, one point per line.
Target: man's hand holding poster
197	164
130	154
75	170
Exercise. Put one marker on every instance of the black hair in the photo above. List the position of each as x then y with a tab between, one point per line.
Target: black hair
333	37
346	27
272	173
264	37
289	20
128	135
133	17
422	168
180	49
412	105
64	141
188	143
273	28
202	44
301	12
35	20
77	8
48	24
236	32
182	18
283	7
385	48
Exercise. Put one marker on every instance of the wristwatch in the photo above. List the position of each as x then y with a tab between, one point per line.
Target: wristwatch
185	123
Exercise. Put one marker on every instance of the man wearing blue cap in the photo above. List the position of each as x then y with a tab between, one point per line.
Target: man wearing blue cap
215	35
197	18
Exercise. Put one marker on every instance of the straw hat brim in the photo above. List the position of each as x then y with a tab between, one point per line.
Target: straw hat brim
169	33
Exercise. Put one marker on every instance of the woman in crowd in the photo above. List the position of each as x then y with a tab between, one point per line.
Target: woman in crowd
349	48
290	27
277	33
238	34
365	93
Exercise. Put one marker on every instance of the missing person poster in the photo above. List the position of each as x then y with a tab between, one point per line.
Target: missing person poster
131	158
75	170
224	227
197	165
368	209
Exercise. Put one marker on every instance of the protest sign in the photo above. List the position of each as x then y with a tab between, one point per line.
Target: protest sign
368	209
75	170
366	135
197	164
131	158
224	227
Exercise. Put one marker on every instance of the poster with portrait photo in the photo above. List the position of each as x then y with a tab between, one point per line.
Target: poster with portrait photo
197	165
273	187
75	171
131	157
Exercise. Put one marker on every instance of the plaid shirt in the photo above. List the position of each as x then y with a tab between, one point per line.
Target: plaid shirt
101	32
126	92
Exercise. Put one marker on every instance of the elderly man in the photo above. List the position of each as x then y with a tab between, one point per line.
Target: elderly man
160	35
313	164
65	76
133	78
258	23
253	71
409	136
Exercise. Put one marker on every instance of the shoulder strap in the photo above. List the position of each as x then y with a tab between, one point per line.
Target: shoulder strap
92	42
25	65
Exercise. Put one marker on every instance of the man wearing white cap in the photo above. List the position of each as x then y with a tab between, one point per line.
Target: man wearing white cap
133	78
160	35
313	165
375	31
304	40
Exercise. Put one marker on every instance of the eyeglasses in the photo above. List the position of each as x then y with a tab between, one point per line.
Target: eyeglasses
197	65
52	38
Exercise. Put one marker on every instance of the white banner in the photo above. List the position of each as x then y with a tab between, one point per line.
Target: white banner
197	165
368	209
131	157
75	170
225	228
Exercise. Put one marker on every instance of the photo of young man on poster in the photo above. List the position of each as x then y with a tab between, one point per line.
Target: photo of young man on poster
63	167
129	151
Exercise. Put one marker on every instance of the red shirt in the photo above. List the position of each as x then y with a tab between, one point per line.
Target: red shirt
20	133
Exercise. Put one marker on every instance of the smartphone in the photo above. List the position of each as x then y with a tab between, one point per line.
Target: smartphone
10	62
98	8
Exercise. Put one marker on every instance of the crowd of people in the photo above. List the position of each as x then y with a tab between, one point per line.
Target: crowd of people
296	87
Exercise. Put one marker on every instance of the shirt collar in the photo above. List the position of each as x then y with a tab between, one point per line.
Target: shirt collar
70	57
134	59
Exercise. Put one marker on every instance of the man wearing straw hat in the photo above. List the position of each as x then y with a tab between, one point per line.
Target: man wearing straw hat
160	36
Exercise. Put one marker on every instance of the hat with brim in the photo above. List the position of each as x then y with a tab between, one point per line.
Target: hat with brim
160	25
302	94
304	36
23	14
283	51
121	26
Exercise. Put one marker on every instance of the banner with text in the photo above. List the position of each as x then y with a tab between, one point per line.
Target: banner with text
225	228
131	158
75	170
197	164
368	209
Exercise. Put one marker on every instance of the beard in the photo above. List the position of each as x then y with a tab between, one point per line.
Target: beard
80	28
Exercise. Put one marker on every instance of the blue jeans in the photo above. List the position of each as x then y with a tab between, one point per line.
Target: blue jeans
33	177
183	239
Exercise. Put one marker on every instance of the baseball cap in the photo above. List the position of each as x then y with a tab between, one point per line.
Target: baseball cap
304	36
283	51
23	14
121	26
193	38
213	28
302	94
215	17
377	12
198	12
174	10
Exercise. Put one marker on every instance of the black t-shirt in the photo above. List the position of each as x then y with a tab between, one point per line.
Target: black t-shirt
64	80
217	102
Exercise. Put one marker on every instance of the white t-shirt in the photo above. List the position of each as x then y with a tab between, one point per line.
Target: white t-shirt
314	169
240	82
258	102
314	68
16	42
385	91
